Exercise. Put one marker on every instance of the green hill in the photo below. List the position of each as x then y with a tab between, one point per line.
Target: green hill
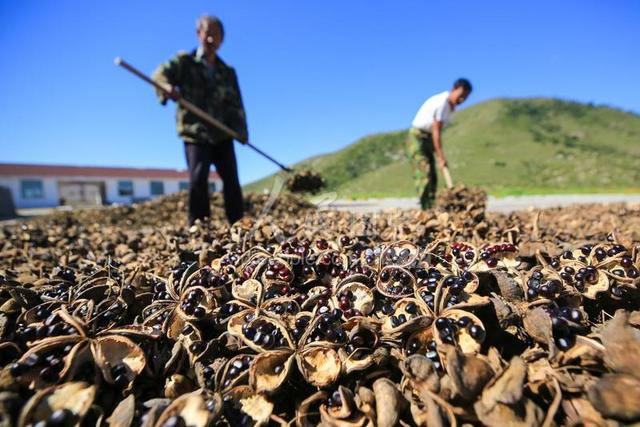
508	146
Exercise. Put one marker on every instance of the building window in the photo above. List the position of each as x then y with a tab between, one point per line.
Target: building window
212	187
125	188
183	185
32	189
157	188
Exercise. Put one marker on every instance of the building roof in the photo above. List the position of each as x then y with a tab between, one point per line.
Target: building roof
18	169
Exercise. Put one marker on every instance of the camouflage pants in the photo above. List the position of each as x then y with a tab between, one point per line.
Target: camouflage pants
421	156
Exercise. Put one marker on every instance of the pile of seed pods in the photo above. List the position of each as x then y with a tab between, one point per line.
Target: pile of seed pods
127	317
306	181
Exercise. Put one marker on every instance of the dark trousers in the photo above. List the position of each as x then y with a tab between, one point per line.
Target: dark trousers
199	159
421	155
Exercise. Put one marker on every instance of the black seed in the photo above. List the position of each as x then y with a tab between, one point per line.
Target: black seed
121	381
564	343
119	369
575	315
464	321
197	347
431	355
558	323
476	332
18	369
48	374
410	308
33	360
61	418
442	322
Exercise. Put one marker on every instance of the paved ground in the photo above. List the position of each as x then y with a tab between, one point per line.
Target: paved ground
503	204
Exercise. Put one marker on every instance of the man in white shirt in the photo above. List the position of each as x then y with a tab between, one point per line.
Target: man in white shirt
425	138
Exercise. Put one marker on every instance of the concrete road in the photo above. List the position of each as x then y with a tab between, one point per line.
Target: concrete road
503	204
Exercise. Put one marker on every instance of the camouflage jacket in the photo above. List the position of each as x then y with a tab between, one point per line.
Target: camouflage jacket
214	89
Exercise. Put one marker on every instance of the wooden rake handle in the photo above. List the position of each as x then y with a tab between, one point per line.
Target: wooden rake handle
447	176
198	112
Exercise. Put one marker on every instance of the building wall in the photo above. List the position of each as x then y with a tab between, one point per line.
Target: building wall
141	189
50	190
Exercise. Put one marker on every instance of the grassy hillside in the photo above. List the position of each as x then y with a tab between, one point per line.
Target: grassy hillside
509	146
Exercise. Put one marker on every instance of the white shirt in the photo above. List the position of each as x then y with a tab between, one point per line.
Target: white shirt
436	108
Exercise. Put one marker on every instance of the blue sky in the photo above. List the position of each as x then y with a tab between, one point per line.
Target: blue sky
315	75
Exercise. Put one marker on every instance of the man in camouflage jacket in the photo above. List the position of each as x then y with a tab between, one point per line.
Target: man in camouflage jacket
203	79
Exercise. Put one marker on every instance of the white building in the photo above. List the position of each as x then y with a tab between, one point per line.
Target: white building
34	186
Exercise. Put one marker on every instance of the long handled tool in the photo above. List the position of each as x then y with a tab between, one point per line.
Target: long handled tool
198	112
447	176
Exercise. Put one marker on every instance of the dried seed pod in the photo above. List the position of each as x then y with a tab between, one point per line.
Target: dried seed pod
249	291
119	359
371	257
457	292
237	321
325	330
38	313
395	282
270	370
537	323
196	303
277	272
320	366
177	385
179	278
317	297
502	282
306	415
340	410
622	345
402	253
254	264
123	415
242	406
542	284
503	400
354	299
235	372
48	361
197	409
212	281
498	255
97	288
408	315
68	402
469	373
616	396
353	277
389	402
329	264
280	308
362	349
298	324
264	333
586	279
159	315
460	328
230	308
